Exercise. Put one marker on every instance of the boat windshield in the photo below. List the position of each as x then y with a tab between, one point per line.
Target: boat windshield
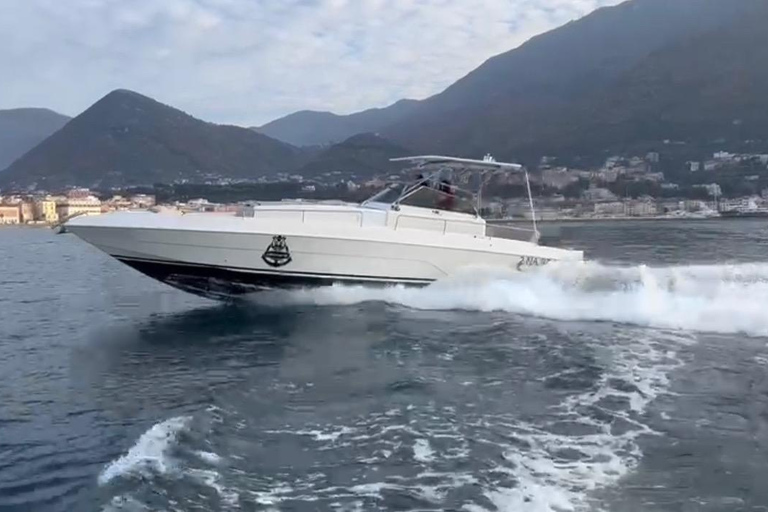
433	191
389	195
441	197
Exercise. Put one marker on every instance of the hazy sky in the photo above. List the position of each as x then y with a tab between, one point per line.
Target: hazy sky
250	61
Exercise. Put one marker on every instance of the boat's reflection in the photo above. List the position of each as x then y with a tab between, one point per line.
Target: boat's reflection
191	358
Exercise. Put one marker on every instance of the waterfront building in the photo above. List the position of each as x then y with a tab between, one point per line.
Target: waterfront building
79	193
143	201
640	209
671	206
609	209
26	212
118	202
598	194
45	210
88	205
694	205
10	214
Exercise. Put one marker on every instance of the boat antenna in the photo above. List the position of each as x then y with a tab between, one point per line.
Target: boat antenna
483	180
530	201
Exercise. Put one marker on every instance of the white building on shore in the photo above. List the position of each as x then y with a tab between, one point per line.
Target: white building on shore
72	206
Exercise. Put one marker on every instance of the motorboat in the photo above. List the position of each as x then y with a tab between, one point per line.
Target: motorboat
411	233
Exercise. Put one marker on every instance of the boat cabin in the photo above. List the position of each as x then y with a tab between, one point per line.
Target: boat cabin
435	189
432	202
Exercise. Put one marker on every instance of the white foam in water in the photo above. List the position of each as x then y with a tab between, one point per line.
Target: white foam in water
587	442
719	298
548	483
149	454
209	457
556	468
422	451
329	435
125	503
213	480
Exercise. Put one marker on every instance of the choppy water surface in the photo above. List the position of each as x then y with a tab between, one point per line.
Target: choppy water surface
634	382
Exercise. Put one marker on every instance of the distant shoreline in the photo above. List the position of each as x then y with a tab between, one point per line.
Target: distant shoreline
568	220
619	219
30	226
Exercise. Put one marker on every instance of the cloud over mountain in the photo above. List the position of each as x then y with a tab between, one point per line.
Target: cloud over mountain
250	61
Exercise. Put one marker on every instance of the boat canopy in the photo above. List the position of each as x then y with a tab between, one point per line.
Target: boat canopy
486	164
430	191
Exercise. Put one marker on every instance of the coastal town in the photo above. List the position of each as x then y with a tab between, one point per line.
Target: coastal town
562	192
52	209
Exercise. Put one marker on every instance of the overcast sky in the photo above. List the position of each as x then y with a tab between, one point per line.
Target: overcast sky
249	61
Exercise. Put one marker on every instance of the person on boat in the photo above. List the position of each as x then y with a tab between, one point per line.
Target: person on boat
448	194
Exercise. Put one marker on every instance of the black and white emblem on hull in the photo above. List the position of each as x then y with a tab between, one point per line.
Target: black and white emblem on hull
277	254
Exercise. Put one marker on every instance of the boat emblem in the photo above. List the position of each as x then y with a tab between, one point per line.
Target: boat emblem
277	254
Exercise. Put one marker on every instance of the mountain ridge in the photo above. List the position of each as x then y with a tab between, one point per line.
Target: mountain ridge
126	137
704	91
364	155
569	65
318	128
21	129
504	105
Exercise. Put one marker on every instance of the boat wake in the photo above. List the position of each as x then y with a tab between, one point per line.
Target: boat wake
156	456
473	448
719	298
474	455
150	453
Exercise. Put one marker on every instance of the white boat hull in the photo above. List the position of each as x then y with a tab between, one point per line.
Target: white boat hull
225	255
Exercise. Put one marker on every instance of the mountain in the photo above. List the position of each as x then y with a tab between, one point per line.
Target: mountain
622	79
310	128
364	155
126	138
706	91
555	81
565	91
21	129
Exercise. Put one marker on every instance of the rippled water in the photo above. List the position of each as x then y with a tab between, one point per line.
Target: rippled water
636	381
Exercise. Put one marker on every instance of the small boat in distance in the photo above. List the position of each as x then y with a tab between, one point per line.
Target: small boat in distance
408	234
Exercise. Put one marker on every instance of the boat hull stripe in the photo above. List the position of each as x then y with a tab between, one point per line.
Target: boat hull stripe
244	270
218	282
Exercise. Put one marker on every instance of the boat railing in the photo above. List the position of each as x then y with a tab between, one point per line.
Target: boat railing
485	166
60	226
440	197
245	211
511	233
